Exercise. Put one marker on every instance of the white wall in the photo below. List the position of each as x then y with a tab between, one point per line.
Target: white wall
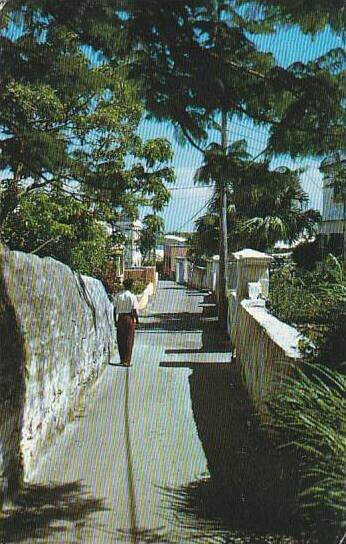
65	326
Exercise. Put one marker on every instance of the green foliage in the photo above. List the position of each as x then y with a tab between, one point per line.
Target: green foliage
265	205
68	115
310	15
178	39
302	104
306	254
138	287
334	171
315	302
51	224
204	242
151	234
309	412
108	273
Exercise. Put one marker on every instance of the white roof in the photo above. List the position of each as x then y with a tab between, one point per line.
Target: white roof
173	238
251	254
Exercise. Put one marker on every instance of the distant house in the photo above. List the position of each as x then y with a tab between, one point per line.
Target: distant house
333	216
174	247
132	232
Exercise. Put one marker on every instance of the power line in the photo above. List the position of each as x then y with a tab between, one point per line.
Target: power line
191	218
190	187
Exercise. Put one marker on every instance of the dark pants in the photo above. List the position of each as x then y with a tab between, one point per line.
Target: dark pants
125	337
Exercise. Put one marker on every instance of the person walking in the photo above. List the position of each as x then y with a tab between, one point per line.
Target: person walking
126	317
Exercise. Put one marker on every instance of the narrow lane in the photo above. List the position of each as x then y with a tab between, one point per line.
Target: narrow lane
132	467
135	438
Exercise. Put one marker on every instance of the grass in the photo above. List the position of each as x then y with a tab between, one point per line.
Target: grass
309	413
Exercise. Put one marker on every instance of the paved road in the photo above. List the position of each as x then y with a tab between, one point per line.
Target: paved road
132	467
137	438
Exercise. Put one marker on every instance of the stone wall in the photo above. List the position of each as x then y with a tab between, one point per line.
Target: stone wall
57	335
265	348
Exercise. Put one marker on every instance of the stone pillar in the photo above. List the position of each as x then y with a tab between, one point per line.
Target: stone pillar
252	266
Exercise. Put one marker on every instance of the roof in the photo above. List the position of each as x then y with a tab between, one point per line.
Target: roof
251	254
173	238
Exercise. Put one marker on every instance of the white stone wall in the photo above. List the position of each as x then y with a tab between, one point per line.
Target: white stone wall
265	347
66	325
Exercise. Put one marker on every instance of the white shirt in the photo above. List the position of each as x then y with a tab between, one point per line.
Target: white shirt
125	302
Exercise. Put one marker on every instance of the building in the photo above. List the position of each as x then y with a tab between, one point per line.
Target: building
174	247
132	232
333	223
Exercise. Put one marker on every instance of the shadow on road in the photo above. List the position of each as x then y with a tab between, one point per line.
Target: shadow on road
42	512
250	495
171	322
214	340
202	514
242	459
145	536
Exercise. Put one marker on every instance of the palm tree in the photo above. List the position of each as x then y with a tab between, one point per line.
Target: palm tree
220	167
272	206
263	205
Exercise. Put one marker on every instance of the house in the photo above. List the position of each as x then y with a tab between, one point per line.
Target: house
132	233
174	247
333	225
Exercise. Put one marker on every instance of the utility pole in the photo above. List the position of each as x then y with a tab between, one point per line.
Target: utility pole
223	246
154	252
223	250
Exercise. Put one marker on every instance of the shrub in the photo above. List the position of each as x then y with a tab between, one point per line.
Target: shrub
109	275
306	254
314	302
309	412
138	286
61	227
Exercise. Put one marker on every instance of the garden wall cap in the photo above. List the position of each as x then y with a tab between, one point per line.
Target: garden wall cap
252	254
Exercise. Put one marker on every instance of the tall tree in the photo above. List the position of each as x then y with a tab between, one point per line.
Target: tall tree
264	205
152	232
208	71
68	118
178	38
333	169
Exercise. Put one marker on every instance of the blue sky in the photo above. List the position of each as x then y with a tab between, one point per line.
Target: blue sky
288	46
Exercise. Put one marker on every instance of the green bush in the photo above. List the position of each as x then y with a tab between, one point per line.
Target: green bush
314	302
61	227
309	412
306	254
138	286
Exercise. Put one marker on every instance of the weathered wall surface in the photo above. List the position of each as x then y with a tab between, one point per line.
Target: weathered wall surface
57	334
265	347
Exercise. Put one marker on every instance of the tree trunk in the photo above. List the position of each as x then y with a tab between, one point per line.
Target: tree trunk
8	202
223	280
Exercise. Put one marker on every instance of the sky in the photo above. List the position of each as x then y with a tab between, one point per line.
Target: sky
189	201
